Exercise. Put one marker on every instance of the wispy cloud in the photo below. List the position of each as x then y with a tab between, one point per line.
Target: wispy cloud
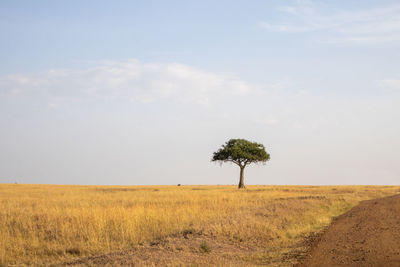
129	80
391	84
373	25
219	95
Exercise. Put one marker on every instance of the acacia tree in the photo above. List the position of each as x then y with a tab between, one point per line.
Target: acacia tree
242	153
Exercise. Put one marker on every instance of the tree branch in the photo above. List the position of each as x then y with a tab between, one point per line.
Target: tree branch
233	161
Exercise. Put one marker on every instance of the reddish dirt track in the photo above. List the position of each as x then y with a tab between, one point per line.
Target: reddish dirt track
367	235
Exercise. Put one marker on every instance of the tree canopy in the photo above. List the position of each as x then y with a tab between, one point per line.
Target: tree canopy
241	152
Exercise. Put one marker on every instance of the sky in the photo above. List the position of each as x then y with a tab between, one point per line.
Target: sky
143	92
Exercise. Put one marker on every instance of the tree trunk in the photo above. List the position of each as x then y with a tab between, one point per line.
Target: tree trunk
241	181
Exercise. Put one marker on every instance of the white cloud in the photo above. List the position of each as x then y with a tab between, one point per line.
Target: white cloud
373	25
130	80
391	84
284	28
227	98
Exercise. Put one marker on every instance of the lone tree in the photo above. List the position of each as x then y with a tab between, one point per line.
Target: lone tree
242	153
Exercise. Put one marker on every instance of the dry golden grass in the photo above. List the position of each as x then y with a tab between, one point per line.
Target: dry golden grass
48	223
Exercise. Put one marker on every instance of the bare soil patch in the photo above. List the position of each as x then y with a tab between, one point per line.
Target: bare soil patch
192	249
367	235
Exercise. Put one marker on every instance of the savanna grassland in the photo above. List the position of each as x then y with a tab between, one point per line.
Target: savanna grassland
167	225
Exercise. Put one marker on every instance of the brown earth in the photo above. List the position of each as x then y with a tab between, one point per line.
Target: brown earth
192	249
172	251
367	235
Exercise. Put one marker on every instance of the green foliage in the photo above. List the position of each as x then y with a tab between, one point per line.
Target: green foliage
241	152
204	247
187	232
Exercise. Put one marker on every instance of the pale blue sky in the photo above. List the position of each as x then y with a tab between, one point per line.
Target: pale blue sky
129	92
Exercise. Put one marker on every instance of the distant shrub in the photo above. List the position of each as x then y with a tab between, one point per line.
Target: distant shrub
73	251
187	231
204	247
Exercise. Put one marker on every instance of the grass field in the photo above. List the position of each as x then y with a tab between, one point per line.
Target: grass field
41	224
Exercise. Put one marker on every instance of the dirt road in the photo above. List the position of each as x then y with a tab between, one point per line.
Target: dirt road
367	235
